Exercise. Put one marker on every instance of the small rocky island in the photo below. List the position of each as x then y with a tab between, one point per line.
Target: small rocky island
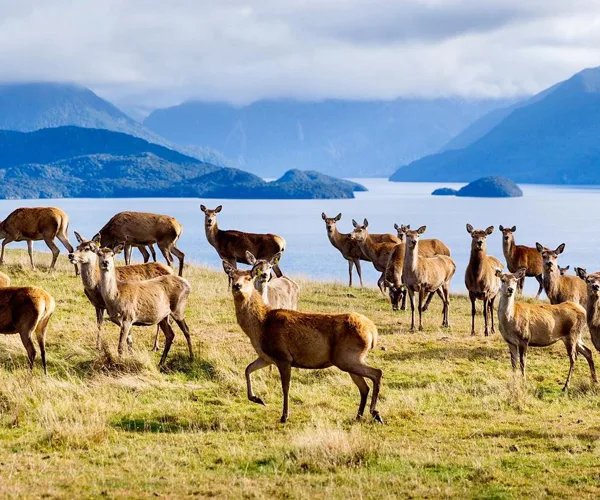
486	187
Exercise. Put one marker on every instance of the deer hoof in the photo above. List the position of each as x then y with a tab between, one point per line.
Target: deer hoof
377	417
283	419
257	400
359	416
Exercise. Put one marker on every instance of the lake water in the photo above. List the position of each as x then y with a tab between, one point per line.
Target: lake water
548	214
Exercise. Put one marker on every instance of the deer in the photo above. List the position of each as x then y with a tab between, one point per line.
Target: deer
524	325
144	303
427	247
232	245
294	339
4	280
560	288
426	275
27	310
85	256
519	256
143	229
481	279
562	271
592	282
377	253
277	293
35	224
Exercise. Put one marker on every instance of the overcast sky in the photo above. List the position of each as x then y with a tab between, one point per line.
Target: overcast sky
160	52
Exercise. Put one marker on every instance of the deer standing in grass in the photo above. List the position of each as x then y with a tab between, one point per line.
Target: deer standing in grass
560	288
293	339
377	253
232	245
27	310
85	255
143	303
35	224
592	282
520	256
524	325
277	293
143	229
426	275
481	279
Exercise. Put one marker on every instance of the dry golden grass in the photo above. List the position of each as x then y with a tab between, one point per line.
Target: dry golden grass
458	423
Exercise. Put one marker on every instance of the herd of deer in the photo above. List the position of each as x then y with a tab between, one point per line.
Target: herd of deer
266	301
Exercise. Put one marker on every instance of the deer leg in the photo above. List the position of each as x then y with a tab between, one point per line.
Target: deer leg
514	356
485	316
125	328
587	354
5	242
169	336
144	252
40	332
440	292
381	283
257	364
127	251
403	295
153	252
421	297
491	306
572	353
540	280
285	372
473	312
166	253
99	321
447	295
429	297
359	271
64	239
350	266
277	270
364	393
374	374
54	249
155	346
30	252
180	256
523	358
28	344
411	296
521	284
186	332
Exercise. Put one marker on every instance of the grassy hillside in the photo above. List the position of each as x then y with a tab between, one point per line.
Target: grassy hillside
457	422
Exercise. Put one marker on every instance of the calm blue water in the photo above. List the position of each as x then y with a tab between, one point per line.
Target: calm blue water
550	215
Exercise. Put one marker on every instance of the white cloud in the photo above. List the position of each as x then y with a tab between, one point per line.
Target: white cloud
155	53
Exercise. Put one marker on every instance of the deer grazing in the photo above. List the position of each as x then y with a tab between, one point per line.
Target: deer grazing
277	293
560	288
144	303
233	245
524	325
292	339
592	282
378	253
427	247
143	229
4	280
85	255
426	275
27	310
520	256
35	224
481	279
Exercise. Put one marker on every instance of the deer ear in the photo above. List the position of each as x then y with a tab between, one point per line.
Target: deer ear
513	229
469	228
250	258
498	272
560	249
323	216
422	229
228	268
218	209
78	236
96	239
338	216
501	227
203	208
118	248
567	268
354	223
520	273
276	258
539	247
366	223
396	227
489	230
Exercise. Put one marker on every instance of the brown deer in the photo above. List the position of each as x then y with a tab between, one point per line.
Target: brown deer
142	229
26	310
560	288
85	256
293	339
4	280
233	245
377	253
524	325
593	304
562	271
480	278
144	303
426	275
277	293
427	247
519	256
35	224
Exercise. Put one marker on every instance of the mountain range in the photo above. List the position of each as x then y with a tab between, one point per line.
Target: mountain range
551	138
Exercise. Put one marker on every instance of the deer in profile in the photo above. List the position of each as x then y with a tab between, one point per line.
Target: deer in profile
426	275
143	303
233	245
592	282
85	255
563	271
427	247
524	325
26	310
277	293
481	279
377	253
143	229
4	280
560	288
35	224
293	339
520	256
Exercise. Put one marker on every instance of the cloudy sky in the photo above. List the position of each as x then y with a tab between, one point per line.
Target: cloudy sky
160	52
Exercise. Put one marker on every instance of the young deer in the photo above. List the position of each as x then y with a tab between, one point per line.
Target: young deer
27	310
524	325
142	229
593	304
426	275
292	339
519	256
427	247
85	256
562	271
144	303
233	245
377	253
4	280
480	278
34	224
560	288
277	293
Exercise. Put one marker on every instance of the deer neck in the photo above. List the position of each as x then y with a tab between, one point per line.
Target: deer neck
262	289
211	234
108	287
411	258
551	281
506	307
334	237
251	313
368	247
90	275
476	261
508	248
593	310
